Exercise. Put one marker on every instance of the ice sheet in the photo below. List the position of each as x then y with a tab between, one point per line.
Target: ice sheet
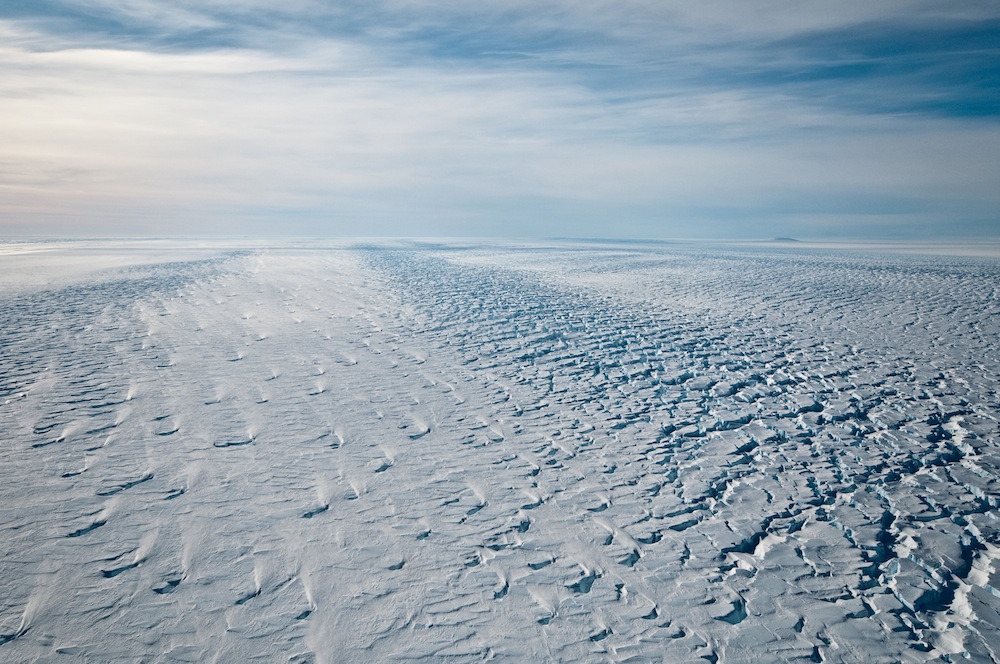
514	452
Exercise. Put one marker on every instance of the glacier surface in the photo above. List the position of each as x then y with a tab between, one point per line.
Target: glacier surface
551	452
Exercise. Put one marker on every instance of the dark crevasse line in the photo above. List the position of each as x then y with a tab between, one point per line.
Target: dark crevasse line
523	314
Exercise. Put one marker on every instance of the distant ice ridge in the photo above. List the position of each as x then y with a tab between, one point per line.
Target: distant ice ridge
522	453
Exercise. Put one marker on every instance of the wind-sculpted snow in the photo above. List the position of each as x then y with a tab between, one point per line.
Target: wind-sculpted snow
581	453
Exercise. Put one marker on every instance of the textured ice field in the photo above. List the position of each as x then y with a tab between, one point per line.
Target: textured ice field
562	453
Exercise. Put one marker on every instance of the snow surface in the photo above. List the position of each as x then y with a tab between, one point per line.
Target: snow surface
508	452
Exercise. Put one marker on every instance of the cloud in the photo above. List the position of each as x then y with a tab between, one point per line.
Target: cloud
407	117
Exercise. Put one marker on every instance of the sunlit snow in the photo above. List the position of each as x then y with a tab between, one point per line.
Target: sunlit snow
551	452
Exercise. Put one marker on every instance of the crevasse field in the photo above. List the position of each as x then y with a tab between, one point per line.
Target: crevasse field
560	452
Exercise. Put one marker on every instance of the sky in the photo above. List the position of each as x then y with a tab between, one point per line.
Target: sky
509	118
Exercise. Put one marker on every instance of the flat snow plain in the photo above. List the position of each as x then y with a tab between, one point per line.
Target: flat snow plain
562	452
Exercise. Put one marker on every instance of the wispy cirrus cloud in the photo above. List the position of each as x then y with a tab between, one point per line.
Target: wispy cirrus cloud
405	117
